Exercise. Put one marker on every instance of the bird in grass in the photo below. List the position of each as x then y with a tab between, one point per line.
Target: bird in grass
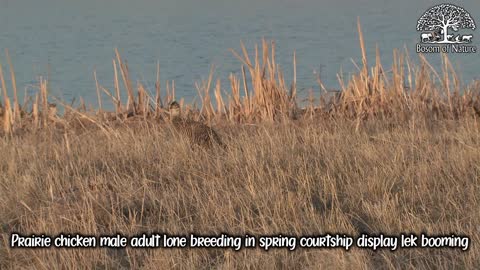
52	111
196	132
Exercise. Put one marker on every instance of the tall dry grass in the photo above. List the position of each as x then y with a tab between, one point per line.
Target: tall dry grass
260	93
306	179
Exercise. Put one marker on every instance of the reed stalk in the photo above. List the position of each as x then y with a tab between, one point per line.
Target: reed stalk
16	107
7	114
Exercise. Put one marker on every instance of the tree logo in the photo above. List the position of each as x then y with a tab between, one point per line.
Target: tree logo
442	25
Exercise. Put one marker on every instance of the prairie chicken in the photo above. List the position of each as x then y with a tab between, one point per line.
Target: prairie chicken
52	111
196	132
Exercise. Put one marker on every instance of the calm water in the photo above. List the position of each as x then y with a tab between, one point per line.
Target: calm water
68	39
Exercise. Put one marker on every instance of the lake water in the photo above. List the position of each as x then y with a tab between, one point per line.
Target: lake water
67	40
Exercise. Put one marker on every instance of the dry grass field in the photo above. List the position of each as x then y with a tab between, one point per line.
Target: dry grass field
305	179
395	152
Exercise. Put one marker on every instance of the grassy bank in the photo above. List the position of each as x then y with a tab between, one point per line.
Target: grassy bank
395	151
304	178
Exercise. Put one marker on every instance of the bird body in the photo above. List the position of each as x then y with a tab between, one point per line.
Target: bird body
196	132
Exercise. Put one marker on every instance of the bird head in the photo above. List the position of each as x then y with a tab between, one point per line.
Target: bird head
174	109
